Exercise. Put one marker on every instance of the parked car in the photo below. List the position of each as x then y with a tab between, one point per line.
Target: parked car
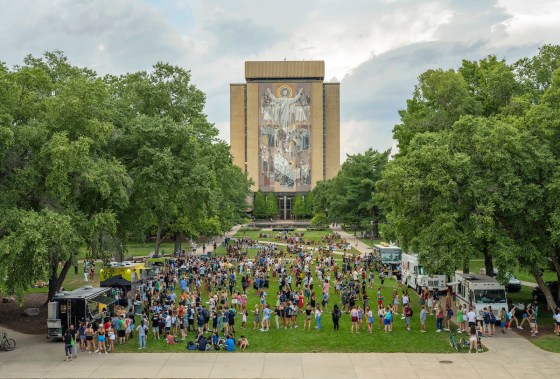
539	295
513	285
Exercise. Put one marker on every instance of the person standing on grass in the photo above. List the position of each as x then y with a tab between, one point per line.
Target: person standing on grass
448	316
423	314
439	319
430	303
460	319
407	311
354	317
369	315
405	300
266	318
380	315
111	337
318	314
142	331
308	311
387	318
336	314
395	302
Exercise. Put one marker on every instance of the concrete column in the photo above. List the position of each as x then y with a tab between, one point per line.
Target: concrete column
285	207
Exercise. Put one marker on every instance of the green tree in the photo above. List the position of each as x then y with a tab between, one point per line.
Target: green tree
350	193
298	207
259	205
57	168
272	205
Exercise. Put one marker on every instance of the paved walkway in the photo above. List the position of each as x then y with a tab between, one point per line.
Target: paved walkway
509	357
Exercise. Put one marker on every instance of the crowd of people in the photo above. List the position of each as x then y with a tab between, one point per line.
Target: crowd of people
207	298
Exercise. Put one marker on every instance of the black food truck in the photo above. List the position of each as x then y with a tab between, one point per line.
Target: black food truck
71	307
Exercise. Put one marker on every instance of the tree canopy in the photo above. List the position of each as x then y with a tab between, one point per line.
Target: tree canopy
89	161
478	167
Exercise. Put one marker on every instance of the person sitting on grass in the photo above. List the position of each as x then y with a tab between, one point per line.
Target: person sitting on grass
169	338
242	343
230	343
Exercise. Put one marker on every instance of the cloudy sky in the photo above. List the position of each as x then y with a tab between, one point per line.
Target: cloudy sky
376	49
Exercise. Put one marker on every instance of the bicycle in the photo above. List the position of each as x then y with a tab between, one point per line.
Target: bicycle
6	343
453	342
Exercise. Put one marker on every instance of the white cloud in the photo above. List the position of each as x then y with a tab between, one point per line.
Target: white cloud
376	48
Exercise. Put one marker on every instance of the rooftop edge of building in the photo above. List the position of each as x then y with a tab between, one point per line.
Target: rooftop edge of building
313	70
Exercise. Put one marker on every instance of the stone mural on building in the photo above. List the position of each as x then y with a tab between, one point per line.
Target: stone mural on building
284	137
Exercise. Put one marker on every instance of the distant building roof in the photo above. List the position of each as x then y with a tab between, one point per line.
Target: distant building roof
262	70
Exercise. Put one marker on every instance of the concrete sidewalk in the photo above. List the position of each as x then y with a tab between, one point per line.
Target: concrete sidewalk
510	356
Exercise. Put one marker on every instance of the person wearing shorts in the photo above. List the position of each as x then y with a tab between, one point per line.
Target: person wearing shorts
387	319
354	315
101	340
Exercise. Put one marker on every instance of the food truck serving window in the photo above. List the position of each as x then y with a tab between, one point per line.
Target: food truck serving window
490	296
102	299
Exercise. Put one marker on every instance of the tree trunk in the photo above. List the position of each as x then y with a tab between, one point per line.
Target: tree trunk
375	226
178	239
488	262
550	302
466	268
55	281
158	238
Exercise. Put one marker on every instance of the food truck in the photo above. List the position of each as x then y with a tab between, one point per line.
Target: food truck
415	276
480	291
71	307
388	257
122	276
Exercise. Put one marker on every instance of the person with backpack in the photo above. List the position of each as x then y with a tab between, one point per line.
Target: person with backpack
407	311
486	322
336	314
492	322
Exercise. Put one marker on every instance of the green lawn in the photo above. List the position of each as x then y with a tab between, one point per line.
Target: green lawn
548	343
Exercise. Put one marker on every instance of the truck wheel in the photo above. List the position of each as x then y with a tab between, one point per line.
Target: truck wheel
418	290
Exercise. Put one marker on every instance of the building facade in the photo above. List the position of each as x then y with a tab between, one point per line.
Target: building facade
285	127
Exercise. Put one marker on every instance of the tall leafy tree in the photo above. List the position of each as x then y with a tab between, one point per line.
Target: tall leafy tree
298	206
259	205
272	205
350	194
57	169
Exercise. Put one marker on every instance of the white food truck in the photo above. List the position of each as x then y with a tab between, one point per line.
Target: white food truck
415	276
388	257
480	291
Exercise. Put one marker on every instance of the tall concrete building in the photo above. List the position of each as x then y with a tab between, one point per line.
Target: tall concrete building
285	127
